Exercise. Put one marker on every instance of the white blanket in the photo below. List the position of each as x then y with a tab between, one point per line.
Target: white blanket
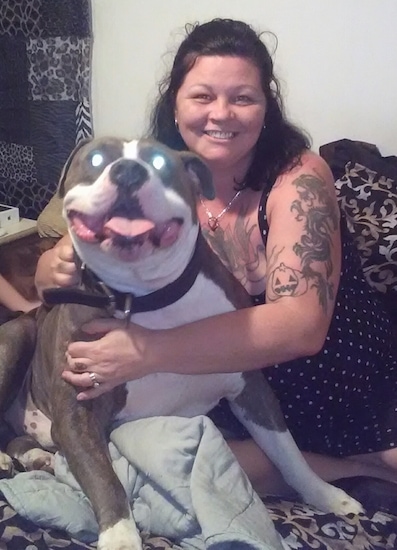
182	480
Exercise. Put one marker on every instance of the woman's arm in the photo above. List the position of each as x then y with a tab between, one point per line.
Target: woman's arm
13	300
56	266
303	266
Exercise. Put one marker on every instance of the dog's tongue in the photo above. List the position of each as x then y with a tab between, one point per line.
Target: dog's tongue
129	228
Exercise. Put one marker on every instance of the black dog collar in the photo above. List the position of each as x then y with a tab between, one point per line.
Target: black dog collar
97	294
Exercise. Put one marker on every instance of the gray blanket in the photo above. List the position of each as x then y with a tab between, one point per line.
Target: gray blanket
182	480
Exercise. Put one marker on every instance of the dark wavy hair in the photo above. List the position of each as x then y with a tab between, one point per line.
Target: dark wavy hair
280	143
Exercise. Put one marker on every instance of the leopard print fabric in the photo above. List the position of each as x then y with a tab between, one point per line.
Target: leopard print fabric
45	51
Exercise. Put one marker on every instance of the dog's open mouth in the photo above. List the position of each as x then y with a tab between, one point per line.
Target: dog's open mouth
124	233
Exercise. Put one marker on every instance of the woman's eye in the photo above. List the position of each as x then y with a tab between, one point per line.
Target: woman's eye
204	98
243	100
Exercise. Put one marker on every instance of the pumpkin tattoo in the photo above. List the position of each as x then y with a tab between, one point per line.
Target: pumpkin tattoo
285	281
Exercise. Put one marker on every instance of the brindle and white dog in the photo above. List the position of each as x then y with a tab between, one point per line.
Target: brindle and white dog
131	212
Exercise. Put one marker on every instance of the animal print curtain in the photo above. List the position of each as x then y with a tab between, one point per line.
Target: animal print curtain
45	64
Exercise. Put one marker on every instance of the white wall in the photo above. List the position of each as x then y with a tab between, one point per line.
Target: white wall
337	61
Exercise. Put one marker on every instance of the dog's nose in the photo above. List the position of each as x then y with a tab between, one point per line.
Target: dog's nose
128	174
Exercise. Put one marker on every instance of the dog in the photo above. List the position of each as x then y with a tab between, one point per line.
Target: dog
131	212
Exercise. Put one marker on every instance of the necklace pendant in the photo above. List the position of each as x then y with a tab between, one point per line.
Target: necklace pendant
213	223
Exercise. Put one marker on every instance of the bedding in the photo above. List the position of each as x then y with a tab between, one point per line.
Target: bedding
180	477
301	527
180	499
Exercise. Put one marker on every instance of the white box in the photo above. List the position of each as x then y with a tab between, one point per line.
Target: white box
8	215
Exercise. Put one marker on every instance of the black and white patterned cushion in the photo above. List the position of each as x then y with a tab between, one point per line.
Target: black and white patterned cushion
366	186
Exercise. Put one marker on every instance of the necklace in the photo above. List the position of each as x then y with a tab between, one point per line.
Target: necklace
213	221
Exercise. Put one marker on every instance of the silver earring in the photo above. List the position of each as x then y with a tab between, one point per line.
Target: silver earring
264	127
176	124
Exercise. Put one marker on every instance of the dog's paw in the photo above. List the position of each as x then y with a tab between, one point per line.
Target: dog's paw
344	504
37	459
122	536
6	466
332	499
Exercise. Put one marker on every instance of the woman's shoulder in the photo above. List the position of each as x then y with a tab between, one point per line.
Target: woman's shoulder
310	160
309	165
309	173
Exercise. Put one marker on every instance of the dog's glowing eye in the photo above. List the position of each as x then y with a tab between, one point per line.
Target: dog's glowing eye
96	159
158	162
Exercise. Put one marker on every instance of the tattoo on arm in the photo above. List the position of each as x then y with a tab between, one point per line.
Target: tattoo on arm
285	281
320	218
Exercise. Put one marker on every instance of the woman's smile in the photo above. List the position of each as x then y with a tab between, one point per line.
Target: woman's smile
217	134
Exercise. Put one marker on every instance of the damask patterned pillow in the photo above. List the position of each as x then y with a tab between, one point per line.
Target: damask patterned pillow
369	201
367	194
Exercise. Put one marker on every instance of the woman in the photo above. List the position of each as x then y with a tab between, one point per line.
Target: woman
315	330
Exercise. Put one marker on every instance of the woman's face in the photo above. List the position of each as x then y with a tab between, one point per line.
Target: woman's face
220	110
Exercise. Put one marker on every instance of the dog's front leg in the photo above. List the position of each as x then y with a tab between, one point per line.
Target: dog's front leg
79	430
258	409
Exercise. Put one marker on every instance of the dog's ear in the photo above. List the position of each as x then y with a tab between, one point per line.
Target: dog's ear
200	173
61	185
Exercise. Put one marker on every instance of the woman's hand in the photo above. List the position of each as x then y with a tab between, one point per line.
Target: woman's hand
63	270
56	267
116	357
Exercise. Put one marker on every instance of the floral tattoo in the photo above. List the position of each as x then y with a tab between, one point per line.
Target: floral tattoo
317	211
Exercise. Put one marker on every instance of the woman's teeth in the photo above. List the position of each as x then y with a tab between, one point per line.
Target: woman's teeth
220	135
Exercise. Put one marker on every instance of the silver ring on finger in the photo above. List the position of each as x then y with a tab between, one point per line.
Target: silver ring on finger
94	380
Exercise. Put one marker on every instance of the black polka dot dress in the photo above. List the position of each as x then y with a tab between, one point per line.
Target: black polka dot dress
343	400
